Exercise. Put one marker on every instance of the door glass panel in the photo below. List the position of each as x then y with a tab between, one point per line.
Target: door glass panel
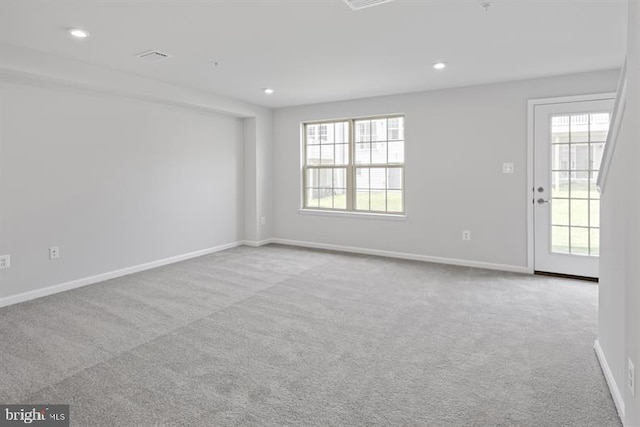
560	184
579	213
599	127
579	241
579	185
595	241
560	239
560	212
559	129
576	152
560	157
580	157
593	190
594	214
579	130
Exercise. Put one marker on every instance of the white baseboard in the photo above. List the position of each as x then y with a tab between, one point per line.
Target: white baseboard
404	255
50	290
256	244
608	375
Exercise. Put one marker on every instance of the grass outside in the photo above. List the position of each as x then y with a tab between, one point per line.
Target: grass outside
569	215
379	201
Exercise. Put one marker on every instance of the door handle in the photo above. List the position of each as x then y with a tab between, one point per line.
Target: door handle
543	201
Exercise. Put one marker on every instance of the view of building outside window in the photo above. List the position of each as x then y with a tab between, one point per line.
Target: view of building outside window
355	165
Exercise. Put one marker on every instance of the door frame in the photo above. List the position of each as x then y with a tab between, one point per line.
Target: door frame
531	104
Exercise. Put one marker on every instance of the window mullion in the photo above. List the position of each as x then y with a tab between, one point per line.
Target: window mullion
351	171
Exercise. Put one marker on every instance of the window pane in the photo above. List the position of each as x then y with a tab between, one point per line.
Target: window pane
326	178
379	130
339	178
595	241
340	198
312	199
363	153
312	178
363	130
396	152
326	198
394	201
313	134
326	133
379	152
378	178
313	155
394	178
580	213
342	154
342	132
326	152
362	178
579	241
362	200
579	128
599	127
560	157
560	184
560	212
395	128
379	200
560	239
560	129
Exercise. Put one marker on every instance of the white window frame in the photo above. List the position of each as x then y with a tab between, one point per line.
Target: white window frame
351	168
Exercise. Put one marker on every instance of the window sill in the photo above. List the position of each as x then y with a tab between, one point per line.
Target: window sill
360	215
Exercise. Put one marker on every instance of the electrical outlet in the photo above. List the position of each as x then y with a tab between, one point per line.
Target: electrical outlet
5	261
263	220
54	252
466	235
508	168
631	377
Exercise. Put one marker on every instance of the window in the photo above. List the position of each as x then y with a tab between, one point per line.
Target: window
354	165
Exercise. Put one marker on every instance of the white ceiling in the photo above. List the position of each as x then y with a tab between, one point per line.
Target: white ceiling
313	51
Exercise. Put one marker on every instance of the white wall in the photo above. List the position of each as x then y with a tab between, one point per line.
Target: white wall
456	142
114	182
18	64
119	170
619	309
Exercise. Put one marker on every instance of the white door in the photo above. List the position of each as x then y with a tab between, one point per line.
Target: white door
569	140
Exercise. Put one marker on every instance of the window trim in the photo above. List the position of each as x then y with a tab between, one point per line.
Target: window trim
351	167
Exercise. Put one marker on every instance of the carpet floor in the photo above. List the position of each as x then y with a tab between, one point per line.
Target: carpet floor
283	336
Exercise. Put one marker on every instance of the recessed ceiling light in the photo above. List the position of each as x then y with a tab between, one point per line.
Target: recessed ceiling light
439	65
268	91
78	33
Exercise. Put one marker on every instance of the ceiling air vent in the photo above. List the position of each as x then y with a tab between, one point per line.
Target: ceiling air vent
152	55
362	4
